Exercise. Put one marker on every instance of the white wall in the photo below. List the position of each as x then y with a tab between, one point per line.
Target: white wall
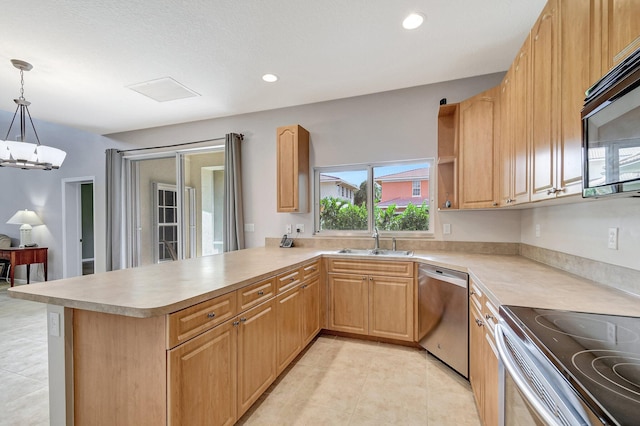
581	229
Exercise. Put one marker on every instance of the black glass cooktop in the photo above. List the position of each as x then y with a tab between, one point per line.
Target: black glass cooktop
598	354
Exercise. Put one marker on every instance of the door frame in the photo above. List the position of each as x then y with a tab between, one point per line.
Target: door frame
72	224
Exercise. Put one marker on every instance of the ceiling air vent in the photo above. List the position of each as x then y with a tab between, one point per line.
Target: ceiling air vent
163	89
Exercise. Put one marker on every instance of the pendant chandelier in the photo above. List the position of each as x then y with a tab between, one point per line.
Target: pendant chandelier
21	154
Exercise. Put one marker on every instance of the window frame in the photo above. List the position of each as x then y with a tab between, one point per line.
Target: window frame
369	167
413	188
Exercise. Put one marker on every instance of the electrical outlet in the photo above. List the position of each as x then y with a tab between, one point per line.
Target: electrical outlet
300	228
54	324
537	230
446	228
249	227
613	239
288	229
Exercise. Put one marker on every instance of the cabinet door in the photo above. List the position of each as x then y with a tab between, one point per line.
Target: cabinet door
579	42
348	303
506	139
476	357
289	326
491	411
256	353
311	310
293	169
521	124
391	307
479	159
202	379
623	30
545	111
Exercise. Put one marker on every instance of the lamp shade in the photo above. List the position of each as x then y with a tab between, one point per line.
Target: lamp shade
50	155
5	154
25	217
22	151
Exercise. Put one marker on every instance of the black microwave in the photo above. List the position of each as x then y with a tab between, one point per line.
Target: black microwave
611	133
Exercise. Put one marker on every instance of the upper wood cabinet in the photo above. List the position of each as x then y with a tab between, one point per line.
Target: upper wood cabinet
448	156
479	174
520	109
545	102
621	27
293	169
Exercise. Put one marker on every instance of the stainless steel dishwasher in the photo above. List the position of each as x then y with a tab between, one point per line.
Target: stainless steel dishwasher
443	315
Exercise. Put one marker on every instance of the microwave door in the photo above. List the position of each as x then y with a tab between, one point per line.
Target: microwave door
612	145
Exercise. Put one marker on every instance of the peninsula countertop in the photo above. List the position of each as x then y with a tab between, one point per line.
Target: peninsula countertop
160	289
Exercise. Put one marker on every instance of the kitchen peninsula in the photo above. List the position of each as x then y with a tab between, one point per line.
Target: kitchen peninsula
130	333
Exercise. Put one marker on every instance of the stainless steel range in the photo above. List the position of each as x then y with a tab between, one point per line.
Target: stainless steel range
572	368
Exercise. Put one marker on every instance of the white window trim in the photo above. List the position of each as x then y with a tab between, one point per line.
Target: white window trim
369	167
419	182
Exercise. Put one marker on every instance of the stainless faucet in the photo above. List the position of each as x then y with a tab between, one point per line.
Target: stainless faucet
376	236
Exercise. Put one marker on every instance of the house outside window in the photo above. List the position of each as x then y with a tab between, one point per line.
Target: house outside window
393	197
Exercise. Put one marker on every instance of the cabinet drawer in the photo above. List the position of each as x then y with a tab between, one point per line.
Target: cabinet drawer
311	270
288	280
372	267
255	294
189	322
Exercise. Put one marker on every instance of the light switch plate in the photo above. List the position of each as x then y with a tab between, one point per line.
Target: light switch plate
54	324
446	228
613	239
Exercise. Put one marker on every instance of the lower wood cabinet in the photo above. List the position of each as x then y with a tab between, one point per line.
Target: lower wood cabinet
298	321
484	366
214	378
256	353
372	305
203	379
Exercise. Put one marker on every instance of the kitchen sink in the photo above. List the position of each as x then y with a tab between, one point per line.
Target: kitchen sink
375	252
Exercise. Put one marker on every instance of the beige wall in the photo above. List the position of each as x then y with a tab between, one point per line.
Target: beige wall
399	125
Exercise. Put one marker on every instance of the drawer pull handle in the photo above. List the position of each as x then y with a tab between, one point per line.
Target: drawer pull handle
479	323
472	292
292	279
260	293
211	314
313	269
489	316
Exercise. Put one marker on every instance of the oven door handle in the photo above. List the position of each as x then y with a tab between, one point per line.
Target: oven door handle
520	381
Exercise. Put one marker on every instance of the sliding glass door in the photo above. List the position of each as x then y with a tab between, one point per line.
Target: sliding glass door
174	205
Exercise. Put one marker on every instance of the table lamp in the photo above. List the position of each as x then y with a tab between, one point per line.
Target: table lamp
27	219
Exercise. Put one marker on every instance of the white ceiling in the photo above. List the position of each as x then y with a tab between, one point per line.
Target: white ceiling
86	52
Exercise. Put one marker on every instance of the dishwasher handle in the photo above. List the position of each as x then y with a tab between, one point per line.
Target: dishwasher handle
441	275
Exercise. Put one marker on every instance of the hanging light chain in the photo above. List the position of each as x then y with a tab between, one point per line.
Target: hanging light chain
21	84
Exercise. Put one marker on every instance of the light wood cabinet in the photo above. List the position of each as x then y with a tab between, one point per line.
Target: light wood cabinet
374	305
391	307
292	144
479	174
311	309
349	303
621	27
484	366
515	134
448	156
203	379
289	326
256	353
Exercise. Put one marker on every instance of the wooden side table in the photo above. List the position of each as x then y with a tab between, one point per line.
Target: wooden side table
25	256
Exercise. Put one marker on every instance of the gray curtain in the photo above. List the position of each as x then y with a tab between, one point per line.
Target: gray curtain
114	209
233	222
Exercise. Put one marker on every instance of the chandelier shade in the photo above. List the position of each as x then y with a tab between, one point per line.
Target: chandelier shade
22	154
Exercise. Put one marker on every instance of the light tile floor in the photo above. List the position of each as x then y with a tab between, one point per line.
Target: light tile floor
24	375
335	381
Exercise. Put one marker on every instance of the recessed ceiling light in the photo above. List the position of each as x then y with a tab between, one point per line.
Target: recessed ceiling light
270	78
413	21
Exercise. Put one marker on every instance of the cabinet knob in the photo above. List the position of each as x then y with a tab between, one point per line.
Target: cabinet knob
489	316
292	279
236	323
370	278
260	293
551	191
211	314
479	323
313	269
495	203
243	319
304	286
364	278
472	292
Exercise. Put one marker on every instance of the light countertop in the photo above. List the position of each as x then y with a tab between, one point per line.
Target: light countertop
168	287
